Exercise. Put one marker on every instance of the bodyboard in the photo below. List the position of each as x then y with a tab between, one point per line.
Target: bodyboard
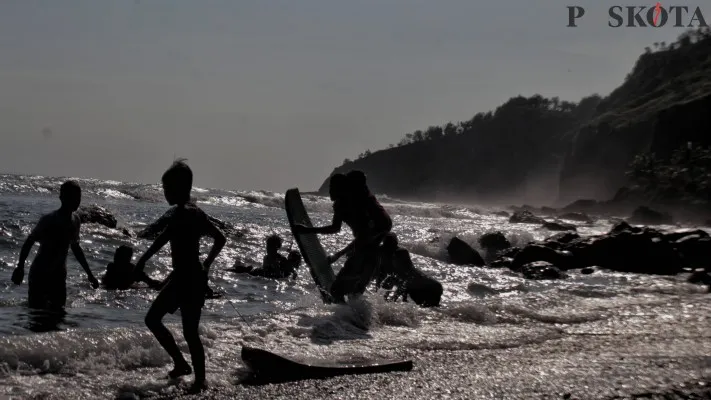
270	367
309	245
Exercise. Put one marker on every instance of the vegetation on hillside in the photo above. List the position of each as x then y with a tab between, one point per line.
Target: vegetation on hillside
591	141
685	176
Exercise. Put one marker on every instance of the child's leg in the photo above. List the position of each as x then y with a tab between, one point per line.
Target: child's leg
163	304
191	322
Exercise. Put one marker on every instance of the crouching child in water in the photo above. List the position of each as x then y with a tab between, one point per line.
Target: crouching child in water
186	284
274	265
120	273
56	232
397	270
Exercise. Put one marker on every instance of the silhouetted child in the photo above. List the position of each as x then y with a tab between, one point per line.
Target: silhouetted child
357	207
120	273
397	270
274	265
56	232
186	284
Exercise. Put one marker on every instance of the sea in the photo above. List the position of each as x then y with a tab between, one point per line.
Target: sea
102	349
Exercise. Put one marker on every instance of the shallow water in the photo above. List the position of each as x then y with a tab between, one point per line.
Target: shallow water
103	336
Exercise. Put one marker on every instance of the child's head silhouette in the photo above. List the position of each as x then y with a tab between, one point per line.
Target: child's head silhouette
337	186
274	243
177	183
70	195
123	255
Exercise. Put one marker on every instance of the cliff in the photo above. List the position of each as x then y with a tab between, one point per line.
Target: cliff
663	104
539	150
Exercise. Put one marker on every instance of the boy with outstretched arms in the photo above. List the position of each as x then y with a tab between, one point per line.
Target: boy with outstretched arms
56	232
186	284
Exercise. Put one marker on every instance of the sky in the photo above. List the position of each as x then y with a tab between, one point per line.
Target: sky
262	94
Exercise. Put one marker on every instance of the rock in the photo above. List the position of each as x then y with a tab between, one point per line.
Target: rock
502	213
695	250
559	226
581	205
540	270
502	262
510	252
622	226
535	252
549	211
95	214
702	277
525	217
563	237
577	216
624	251
646	216
678	235
461	253
494	241
126	232
587	270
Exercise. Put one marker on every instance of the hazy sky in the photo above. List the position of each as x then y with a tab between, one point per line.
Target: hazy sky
261	94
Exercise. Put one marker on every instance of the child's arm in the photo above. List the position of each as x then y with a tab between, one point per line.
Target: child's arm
19	273
79	254
335	227
161	241
220	240
333	258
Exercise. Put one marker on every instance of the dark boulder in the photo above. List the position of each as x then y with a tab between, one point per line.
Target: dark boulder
587	270
644	252
511	252
534	252
559	226
695	250
678	235
622	226
701	277
577	216
525	217
581	205
563	237
502	262
494	241
95	214
461	253
646	216
549	211
541	270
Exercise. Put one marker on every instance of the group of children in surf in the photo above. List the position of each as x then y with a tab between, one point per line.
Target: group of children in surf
373	254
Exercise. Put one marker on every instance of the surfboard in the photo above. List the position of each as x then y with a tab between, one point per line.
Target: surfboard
309	245
270	367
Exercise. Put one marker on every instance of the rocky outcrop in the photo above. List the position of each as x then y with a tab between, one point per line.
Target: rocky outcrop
94	214
495	241
541	270
525	217
461	253
625	248
558	226
646	216
577	216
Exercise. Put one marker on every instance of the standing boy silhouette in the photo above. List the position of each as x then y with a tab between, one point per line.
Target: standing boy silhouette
186	285
56	232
